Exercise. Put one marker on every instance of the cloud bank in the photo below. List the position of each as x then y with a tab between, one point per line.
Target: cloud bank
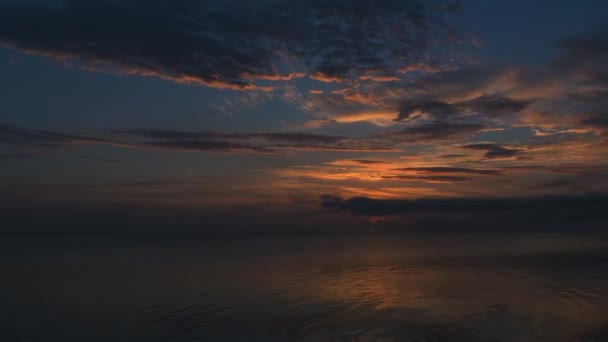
236	44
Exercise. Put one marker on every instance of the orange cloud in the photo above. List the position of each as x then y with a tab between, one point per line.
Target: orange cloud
321	77
378	118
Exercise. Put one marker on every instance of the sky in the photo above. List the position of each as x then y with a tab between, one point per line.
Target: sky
303	115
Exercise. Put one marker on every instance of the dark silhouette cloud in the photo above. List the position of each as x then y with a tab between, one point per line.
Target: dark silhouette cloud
556	183
204	145
493	105
19	143
560	168
411	110
597	121
230	43
427	179
296	137
584	57
273	142
494	151
487	105
368	162
380	207
22	143
18	136
166	134
436	131
452	156
451	170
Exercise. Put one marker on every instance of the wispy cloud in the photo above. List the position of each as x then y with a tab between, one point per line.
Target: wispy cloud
273	142
18	136
435	131
18	142
494	151
447	169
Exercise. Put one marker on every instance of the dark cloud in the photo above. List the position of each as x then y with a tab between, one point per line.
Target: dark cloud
460	82
18	136
494	151
556	183
584	59
436	131
22	143
427	179
424	98
585	55
569	168
493	105
597	121
439	174
165	134
273	142
368	162
204	145
380	207
487	105
230	43
297	137
411	110
452	156
451	170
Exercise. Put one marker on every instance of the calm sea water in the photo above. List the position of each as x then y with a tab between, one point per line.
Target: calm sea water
363	288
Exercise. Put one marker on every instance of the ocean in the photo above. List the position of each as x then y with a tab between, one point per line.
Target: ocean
365	287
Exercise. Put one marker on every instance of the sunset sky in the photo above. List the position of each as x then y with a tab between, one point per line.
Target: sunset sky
120	115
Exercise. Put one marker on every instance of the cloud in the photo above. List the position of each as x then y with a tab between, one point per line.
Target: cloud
21	143
378	118
599	121
458	85
494	151
204	145
584	55
427	179
452	156
411	110
459	94
576	169
486	105
235	44
299	138
556	183
381	207
273	142
444	169
438	174
493	105
435	131
18	136
583	59
368	162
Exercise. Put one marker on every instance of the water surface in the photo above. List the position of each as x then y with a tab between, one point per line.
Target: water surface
359	288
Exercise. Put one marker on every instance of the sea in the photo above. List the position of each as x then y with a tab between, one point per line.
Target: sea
362	287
